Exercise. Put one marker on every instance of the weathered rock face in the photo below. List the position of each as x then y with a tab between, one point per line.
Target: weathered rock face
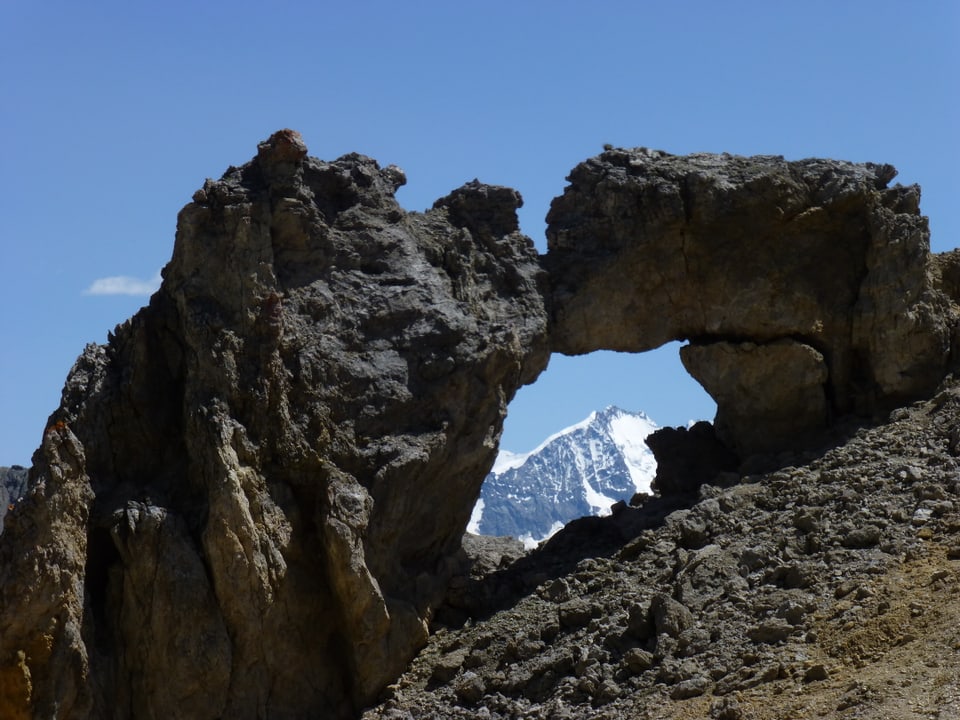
246	503
803	287
766	393
250	502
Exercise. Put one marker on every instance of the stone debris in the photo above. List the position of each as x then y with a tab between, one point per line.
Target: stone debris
779	615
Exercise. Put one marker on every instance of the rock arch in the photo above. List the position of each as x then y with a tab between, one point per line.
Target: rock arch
803	287
278	456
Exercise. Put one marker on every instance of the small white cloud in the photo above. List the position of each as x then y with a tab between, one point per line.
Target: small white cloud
123	285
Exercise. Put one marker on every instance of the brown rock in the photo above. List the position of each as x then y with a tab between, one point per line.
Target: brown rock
756	385
668	616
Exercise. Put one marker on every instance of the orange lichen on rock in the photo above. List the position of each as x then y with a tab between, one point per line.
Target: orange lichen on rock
16	689
58	426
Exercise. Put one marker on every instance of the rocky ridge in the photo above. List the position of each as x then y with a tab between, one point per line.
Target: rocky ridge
830	587
815	270
251	500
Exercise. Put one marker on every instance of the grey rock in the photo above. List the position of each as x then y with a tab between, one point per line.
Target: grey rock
470	687
288	440
577	613
694	687
639	622
638	660
862	537
726	708
449	665
770	631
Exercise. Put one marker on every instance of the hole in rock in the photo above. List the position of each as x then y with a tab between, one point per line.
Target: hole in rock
573	441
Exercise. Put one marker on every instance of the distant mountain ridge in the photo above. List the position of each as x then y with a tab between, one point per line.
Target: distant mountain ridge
581	470
13	484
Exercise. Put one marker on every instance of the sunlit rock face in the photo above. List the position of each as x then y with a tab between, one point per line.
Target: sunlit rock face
247	502
803	287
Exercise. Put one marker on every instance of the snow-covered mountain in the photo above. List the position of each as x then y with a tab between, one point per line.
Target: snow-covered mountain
581	470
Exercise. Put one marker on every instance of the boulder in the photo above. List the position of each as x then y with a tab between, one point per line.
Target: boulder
688	457
754	384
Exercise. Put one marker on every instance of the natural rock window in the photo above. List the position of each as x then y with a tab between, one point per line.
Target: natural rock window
288	440
584	461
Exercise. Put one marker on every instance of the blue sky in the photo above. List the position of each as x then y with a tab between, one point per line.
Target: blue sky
114	113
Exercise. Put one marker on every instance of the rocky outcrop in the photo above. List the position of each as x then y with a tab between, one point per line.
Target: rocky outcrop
687	458
803	287
249	501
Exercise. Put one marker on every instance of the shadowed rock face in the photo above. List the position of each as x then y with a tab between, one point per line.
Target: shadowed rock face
245	503
803	287
249	501
13	484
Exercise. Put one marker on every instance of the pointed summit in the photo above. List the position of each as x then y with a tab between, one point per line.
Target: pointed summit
580	470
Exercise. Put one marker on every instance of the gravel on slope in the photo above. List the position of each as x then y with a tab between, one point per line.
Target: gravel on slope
830	587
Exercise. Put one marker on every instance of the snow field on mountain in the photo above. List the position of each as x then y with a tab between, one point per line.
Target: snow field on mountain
581	470
628	432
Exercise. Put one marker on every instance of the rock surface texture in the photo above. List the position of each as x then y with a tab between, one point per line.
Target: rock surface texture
250	502
245	504
829	588
803	287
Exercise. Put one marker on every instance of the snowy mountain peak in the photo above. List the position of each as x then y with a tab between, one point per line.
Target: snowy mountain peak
580	470
613	410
